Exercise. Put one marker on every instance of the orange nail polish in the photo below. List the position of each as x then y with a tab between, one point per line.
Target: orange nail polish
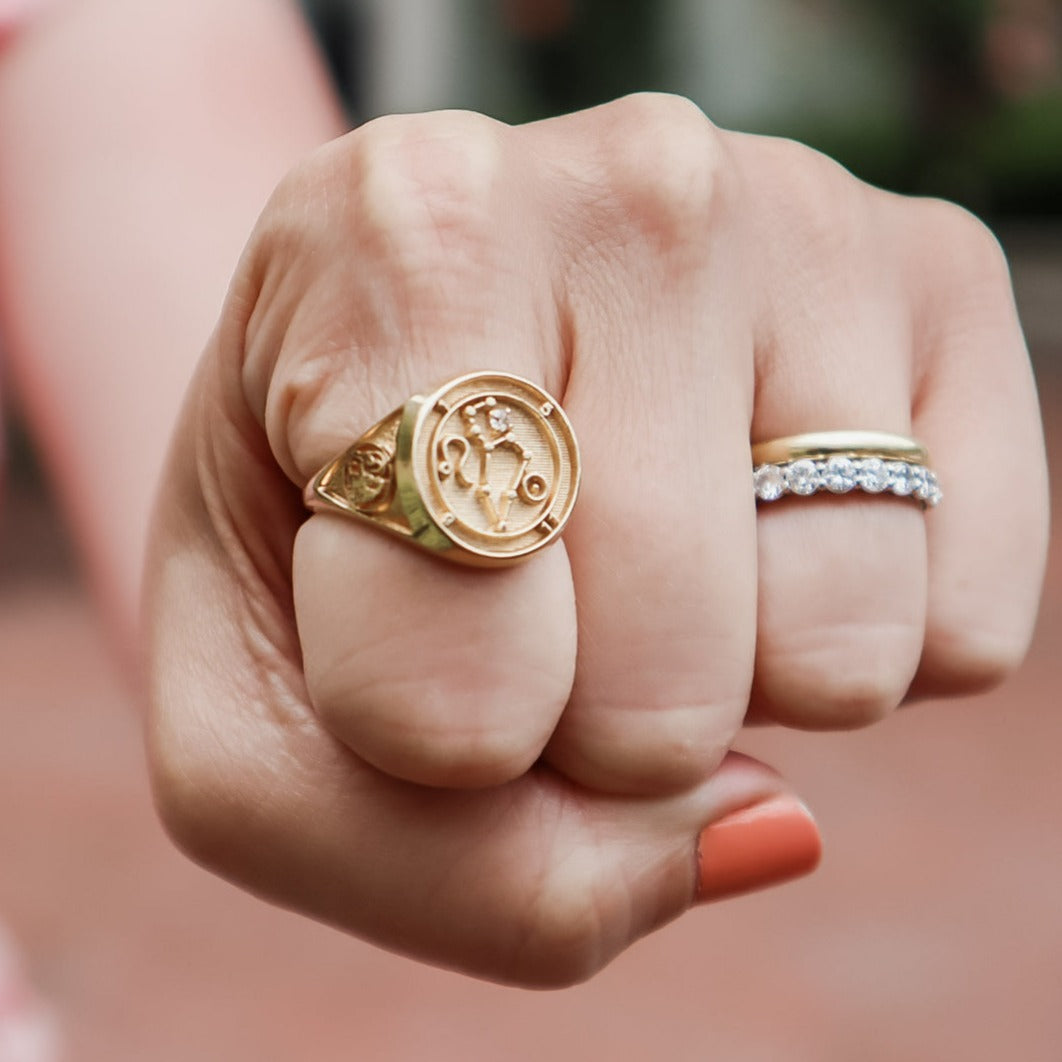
757	846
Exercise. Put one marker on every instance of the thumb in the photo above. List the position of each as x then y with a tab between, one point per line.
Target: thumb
762	844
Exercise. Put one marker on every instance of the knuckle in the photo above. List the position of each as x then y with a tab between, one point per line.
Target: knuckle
302	423
386	229
304	213
427	183
843	680
666	166
410	193
973	661
813	199
649	751
422	733
642	117
966	246
951	224
852	701
965	290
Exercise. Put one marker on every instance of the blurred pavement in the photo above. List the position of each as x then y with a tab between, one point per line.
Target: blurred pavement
933	930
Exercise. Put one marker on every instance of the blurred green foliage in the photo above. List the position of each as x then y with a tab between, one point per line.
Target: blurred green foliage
899	91
952	134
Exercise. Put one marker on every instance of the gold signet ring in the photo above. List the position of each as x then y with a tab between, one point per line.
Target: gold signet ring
483	471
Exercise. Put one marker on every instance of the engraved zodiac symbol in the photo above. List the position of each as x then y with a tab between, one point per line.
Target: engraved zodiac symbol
368	477
486	440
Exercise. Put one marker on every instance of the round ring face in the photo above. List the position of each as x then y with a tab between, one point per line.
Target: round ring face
496	465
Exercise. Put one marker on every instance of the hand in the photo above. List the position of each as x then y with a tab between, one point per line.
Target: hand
507	772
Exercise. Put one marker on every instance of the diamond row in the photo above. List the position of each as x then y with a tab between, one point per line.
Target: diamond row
839	475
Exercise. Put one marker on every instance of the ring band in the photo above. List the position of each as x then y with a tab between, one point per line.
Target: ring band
483	471
842	461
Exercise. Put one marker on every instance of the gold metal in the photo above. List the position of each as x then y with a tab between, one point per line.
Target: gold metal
819	445
483	471
838	462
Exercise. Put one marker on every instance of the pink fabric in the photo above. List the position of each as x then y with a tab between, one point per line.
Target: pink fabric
28	1029
14	12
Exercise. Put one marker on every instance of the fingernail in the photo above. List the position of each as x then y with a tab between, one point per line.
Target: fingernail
757	846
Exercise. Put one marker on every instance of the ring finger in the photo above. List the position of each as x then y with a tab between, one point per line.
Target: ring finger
842	580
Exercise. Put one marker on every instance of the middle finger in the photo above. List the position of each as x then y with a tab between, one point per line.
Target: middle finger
662	544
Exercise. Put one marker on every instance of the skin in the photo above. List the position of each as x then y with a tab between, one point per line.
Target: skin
506	772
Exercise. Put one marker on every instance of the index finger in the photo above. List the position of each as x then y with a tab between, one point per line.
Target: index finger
433	673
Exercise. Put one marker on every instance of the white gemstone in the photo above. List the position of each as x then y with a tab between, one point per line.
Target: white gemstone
802	477
900	482
927	485
839	475
871	475
499	419
769	481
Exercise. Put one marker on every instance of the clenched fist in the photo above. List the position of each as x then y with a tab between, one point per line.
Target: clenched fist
518	772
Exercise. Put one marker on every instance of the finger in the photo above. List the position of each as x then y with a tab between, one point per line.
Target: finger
662	545
429	672
434	674
977	411
536	883
842	581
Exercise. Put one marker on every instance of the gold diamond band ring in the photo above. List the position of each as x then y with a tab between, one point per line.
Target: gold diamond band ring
483	471
842	461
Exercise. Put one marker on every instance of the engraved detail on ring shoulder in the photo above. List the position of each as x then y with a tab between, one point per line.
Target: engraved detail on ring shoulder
368	476
362	478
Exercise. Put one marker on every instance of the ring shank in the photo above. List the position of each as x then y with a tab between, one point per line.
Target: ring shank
824	444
